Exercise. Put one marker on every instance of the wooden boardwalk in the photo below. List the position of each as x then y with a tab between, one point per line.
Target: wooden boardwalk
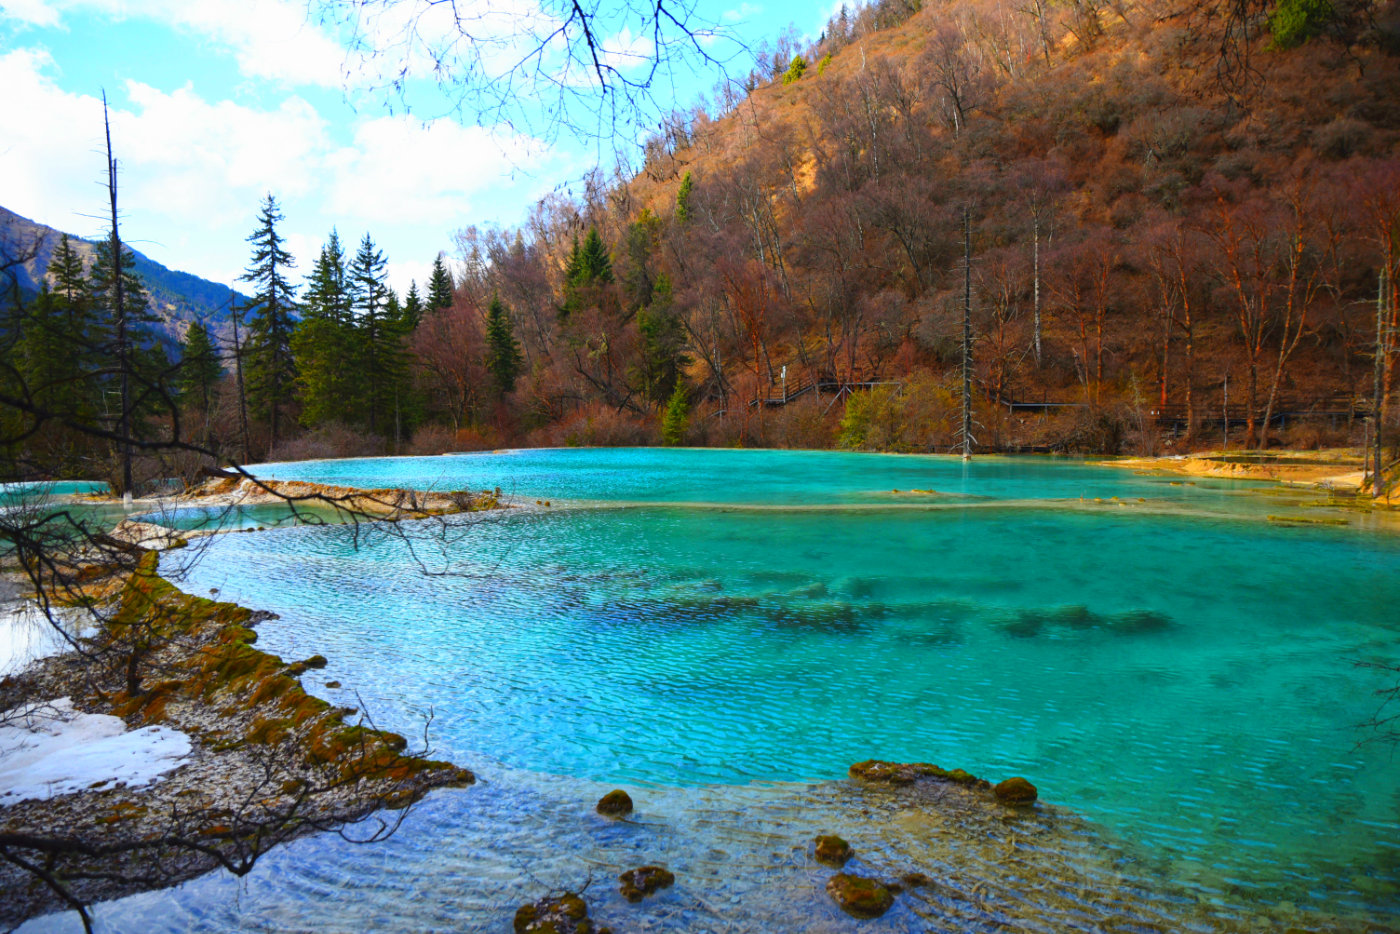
1173	416
781	392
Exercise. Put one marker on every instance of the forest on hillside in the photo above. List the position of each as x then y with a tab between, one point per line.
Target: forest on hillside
1146	215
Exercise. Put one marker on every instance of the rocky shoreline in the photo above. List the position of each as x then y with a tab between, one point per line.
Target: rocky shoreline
268	762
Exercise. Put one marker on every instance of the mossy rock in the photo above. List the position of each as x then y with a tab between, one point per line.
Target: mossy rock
563	914
616	803
915	880
1015	791
860	897
877	772
638	883
833	851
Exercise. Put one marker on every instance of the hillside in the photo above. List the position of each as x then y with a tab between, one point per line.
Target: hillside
177	298
1157	227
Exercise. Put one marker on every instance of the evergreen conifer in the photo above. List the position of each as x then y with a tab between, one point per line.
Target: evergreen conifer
503	358
270	366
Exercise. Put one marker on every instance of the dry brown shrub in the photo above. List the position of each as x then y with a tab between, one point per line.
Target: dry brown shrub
327	441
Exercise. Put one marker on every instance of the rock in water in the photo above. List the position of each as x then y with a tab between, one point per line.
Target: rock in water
1015	791
615	804
565	914
877	772
859	897
638	883
833	851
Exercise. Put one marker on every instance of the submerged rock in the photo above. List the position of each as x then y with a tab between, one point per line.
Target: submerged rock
907	773
1015	791
638	883
915	880
563	914
833	851
859	897
616	803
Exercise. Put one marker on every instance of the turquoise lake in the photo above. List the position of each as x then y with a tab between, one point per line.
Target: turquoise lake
724	632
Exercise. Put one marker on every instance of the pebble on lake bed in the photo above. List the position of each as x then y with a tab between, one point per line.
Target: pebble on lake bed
616	803
859	897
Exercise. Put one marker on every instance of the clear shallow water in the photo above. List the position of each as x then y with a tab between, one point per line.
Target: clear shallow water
238	518
793	478
1187	683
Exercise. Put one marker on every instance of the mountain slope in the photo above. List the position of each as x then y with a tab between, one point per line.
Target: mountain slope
1162	239
177	298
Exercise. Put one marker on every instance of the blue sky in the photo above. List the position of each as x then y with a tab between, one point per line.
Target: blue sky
215	102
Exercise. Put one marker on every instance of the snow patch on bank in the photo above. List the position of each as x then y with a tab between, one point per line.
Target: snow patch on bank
49	749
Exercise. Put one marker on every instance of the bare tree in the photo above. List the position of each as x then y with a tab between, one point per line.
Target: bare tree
580	66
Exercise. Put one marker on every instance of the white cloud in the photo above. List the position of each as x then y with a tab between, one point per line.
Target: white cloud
194	171
625	51
30	12
742	13
269	39
400	170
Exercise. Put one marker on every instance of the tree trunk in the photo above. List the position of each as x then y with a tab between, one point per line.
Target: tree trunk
967	337
119	312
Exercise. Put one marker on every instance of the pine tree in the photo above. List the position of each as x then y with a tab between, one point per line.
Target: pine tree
43	355
503	358
587	271
63	344
135	300
593	263
439	286
270	366
323	339
677	417
413	304
66	268
683	198
376	334
200	369
663	344
126	345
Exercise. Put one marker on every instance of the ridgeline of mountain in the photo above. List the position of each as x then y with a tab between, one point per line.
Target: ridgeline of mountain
177	298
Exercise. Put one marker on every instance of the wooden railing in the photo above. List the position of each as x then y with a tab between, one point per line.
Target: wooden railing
819	383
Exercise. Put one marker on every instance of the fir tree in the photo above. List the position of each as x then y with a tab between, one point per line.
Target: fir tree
683	198
503	359
439	286
378	339
663	344
590	264
43	355
677	417
125	346
135	299
413	303
66	268
322	340
270	367
588	271
64	338
200	369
